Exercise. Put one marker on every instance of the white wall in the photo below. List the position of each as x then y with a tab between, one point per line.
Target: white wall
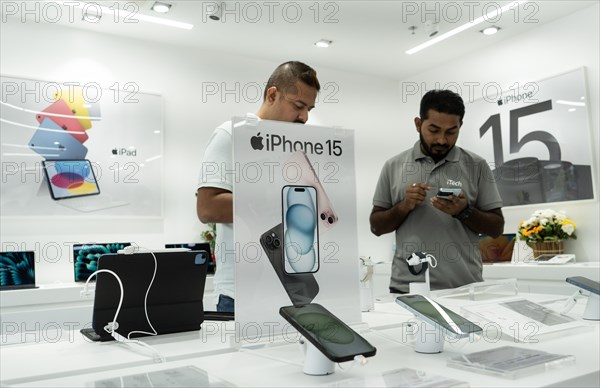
372	106
366	104
548	50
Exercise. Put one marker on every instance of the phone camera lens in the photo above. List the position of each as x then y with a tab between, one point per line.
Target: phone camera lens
269	240
323	216
330	220
276	242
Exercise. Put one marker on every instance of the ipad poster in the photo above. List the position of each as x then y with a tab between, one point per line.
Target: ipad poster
80	149
294	222
536	137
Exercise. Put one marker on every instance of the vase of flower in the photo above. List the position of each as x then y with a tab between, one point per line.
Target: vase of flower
545	232
547	248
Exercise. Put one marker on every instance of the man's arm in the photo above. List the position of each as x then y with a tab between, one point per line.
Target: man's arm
388	220
214	205
490	222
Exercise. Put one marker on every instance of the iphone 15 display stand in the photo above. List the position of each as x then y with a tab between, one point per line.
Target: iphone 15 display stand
436	322
588	288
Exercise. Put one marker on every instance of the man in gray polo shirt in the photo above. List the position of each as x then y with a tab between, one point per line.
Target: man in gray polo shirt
405	199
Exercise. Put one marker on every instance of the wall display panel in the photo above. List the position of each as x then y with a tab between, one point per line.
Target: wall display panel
80	150
536	137
294	222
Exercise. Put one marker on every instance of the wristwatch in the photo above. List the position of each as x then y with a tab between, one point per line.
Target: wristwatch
465	213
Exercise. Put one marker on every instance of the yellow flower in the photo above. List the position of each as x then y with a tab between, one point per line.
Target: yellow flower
566	221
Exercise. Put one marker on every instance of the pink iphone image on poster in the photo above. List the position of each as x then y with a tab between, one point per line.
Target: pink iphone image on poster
327	216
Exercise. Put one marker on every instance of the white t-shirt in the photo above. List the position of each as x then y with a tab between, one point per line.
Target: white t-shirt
217	171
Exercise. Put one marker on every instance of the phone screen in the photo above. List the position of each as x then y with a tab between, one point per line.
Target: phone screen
585	283
447	192
436	314
300	229
336	340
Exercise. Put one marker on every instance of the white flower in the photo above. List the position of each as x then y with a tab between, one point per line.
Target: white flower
548	213
568	229
543	221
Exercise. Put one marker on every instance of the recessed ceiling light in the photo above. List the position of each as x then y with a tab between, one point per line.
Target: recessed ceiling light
138	16
323	43
161	7
490	30
438	38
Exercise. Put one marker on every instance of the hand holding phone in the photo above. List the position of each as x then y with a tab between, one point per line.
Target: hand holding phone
445	192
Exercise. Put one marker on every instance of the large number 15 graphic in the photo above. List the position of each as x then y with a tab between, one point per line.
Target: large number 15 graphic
546	138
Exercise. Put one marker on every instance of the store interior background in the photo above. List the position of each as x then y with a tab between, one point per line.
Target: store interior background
369	100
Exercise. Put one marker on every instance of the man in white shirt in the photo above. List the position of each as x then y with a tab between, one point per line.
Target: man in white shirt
290	94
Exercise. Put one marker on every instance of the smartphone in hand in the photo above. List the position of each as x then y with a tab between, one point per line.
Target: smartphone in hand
445	192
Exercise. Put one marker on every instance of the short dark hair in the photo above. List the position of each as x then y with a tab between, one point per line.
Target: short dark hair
287	74
443	101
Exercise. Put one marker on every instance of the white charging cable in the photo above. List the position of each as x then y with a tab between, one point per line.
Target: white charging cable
358	360
129	251
112	327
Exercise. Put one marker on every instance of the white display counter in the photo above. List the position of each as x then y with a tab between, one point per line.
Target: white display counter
275	362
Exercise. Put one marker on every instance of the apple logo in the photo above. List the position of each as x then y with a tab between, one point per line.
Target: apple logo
114	151
499	102
257	142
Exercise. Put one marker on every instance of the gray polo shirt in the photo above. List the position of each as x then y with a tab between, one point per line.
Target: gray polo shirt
427	229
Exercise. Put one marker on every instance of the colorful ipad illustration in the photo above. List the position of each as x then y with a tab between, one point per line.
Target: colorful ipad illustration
300	229
306	175
53	142
70	178
63	116
85	112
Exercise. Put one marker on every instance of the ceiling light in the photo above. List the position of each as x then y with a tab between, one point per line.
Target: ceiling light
161	7
490	30
571	103
214	11
137	16
323	43
466	26
432	28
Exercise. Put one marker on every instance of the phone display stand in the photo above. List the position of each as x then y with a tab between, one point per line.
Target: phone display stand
367	300
426	261
315	362
429	339
419	288
592	309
